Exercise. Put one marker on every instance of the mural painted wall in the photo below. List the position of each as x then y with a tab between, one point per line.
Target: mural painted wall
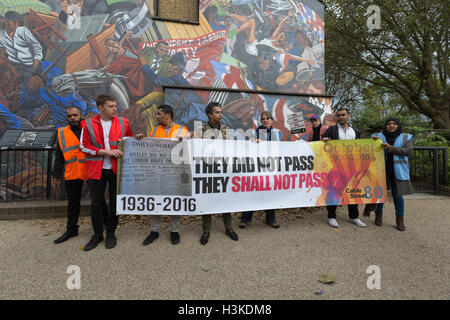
58	53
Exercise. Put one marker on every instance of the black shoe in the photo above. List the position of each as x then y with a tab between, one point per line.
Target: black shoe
205	237
111	241
175	237
152	236
95	240
243	225
233	235
67	235
273	224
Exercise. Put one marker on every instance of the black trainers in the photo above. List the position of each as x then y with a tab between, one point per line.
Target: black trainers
95	240
175	237
67	235
233	235
273	224
111	241
243	225
204	238
152	236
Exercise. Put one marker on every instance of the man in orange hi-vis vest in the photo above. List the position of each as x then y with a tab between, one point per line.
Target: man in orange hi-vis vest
70	158
166	129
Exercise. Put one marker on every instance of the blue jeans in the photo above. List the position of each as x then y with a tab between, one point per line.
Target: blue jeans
247	216
399	203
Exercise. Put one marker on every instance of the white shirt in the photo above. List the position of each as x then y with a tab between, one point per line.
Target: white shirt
106	128
23	48
155	63
346	134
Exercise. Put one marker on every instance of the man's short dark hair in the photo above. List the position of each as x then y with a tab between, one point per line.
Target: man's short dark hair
210	107
343	109
74	107
101	99
166	109
211	9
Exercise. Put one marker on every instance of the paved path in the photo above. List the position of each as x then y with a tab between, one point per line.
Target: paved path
264	264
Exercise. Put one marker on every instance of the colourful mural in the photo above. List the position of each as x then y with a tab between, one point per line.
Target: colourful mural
242	110
54	54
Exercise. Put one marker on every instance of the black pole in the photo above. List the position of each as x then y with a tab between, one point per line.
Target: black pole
445	166
49	172
435	170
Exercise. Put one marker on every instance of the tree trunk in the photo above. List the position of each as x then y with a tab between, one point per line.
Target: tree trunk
441	118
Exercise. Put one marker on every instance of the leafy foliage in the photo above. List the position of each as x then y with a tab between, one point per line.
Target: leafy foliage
404	63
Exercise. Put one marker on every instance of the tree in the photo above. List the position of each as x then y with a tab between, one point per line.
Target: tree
406	57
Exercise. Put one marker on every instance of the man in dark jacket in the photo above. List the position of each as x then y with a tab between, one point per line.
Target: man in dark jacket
343	131
318	130
214	129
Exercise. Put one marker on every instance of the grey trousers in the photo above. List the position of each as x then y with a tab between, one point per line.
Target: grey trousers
174	223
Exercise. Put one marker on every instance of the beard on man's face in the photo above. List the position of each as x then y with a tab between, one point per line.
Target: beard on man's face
74	123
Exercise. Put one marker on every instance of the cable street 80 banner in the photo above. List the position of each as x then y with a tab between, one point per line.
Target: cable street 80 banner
165	176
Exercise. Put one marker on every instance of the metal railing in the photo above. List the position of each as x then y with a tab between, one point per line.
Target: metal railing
25	174
429	170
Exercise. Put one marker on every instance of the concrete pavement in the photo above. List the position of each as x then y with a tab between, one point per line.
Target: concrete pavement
265	263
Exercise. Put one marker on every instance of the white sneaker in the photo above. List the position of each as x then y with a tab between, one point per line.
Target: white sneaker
358	222
333	223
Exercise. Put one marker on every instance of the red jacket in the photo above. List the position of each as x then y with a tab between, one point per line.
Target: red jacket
90	145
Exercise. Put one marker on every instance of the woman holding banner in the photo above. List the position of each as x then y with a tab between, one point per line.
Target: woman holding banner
265	132
398	147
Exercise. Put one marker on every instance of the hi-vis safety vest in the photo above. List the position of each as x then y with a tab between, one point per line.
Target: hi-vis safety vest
74	166
96	143
116	133
174	132
401	166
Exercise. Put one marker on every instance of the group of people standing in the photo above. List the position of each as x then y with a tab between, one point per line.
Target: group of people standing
87	150
398	147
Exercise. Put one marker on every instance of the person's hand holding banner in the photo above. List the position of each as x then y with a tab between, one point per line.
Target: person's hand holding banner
225	175
116	153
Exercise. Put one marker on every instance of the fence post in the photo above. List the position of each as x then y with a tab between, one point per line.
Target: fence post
445	166
49	172
435	157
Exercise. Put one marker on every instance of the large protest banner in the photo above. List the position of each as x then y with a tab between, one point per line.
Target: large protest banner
164	176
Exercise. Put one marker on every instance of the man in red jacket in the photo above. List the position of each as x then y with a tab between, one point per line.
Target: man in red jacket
100	137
